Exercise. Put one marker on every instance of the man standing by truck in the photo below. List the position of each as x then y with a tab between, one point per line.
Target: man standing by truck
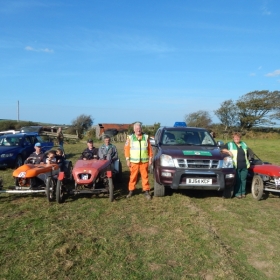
138	154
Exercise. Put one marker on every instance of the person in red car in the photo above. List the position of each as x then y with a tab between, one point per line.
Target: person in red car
90	152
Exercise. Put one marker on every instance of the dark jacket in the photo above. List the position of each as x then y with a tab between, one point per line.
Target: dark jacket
90	154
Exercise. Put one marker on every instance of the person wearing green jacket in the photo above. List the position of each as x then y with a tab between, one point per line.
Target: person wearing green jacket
238	150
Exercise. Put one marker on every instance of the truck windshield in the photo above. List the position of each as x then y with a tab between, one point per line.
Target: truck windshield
187	137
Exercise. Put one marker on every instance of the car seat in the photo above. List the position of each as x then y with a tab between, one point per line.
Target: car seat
169	138
193	139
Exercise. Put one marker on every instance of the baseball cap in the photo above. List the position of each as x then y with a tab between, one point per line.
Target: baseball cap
38	144
89	141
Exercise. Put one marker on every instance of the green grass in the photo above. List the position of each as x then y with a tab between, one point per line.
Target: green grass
185	235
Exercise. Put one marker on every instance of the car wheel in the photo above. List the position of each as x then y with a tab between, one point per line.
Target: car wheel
228	192
159	190
50	189
119	174
111	189
257	187
69	171
18	161
59	192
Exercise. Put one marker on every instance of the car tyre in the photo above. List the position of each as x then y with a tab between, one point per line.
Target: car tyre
50	189
257	188
111	189
119	174
69	171
59	192
18	161
159	190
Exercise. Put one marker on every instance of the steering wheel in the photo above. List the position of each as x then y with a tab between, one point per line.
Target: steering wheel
31	160
87	155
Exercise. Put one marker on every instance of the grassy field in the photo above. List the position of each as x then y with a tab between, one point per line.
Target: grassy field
185	235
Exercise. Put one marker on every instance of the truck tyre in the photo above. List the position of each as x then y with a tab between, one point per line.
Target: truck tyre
228	192
257	187
159	190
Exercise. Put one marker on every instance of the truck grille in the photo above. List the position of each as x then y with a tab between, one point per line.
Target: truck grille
196	163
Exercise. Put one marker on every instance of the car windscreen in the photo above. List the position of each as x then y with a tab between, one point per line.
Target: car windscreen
187	137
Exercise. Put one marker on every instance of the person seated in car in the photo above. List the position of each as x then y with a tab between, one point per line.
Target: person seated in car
60	158
38	155
90	152
107	150
51	157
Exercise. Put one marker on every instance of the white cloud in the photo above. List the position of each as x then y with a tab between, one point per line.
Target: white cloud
265	10
273	74
47	50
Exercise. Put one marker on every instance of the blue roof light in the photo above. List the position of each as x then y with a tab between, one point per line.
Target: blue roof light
182	124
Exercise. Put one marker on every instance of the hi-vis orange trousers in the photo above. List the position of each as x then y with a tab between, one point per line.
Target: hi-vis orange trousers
135	168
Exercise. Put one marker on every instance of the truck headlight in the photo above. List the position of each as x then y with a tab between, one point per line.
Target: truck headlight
6	155
227	162
166	160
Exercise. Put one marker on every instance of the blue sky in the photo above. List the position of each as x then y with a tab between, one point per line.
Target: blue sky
128	60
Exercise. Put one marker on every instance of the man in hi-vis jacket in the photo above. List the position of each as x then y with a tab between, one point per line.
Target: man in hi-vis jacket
138	154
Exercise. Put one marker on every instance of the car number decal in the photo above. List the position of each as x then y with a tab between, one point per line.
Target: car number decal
197	153
22	174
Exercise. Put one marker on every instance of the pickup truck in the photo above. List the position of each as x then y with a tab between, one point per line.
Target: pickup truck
189	158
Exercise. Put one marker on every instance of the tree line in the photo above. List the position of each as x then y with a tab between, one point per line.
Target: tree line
254	109
251	110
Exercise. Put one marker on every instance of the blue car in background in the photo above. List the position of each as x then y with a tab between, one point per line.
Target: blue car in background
15	148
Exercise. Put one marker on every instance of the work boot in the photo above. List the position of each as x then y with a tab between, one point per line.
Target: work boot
129	194
147	194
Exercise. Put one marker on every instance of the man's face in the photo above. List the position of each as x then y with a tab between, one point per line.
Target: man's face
37	149
107	141
137	130
90	145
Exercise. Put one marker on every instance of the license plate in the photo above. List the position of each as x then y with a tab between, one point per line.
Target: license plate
195	181
84	176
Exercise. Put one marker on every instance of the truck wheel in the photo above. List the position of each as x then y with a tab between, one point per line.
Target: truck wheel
49	189
111	189
18	161
159	190
228	192
257	187
59	191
